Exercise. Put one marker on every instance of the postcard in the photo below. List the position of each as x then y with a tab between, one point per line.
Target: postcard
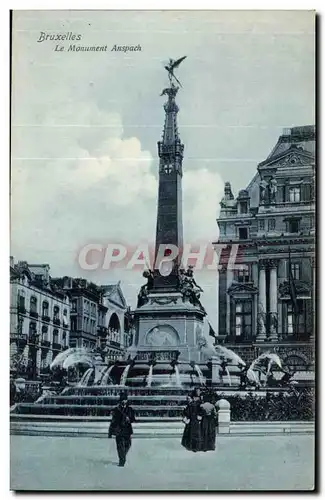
163	262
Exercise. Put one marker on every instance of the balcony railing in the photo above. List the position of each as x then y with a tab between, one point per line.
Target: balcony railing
45	343
33	339
33	314
297	337
56	321
19	337
46	318
102	331
113	343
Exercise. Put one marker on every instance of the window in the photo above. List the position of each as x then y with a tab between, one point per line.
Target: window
64	339
271	224
243	323
74	306
44	332
293	226
168	168
261	224
56	312
65	317
73	324
243	207
21	301
290	318
33	304
45	308
296	319
295	270
242	275
55	336
243	233
312	222
32	327
294	194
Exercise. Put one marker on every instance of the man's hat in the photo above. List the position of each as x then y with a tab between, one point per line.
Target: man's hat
123	396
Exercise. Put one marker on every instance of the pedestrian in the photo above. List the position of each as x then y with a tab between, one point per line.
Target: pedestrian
208	423
121	427
192	416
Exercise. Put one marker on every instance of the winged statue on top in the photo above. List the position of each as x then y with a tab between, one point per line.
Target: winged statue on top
171	66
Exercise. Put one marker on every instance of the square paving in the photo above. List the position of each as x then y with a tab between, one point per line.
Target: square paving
239	463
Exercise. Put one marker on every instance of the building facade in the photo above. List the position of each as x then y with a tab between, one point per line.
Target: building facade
39	319
97	316
267	261
118	332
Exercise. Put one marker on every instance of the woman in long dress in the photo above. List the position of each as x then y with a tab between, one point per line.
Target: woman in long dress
192	417
208	424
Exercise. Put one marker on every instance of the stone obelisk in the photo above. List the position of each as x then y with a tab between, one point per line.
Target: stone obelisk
168	318
169	229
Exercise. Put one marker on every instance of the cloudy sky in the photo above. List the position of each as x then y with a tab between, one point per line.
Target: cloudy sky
85	124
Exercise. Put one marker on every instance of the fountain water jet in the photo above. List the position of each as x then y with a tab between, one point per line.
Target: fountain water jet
125	375
228	375
106	376
177	376
86	377
200	374
149	379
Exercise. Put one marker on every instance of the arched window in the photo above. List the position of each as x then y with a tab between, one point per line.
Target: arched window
56	315
44	332
33	304
21	301
45	308
32	332
55	336
65	318
114	323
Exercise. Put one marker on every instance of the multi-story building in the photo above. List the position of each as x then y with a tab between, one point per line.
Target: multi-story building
39	318
118	332
97	315
267	267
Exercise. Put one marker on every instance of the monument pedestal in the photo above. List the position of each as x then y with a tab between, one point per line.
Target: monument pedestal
167	323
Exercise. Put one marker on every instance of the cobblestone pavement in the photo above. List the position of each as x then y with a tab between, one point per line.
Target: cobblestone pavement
239	463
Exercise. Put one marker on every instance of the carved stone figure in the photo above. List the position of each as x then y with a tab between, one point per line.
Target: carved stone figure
273	187
273	323
189	288
144	290
228	198
261	319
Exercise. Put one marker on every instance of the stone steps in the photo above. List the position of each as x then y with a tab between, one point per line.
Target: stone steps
98	428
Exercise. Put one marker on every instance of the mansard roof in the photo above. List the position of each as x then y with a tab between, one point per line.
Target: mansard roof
304	137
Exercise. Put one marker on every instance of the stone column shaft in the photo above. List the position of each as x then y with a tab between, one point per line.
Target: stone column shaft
273	305
261	334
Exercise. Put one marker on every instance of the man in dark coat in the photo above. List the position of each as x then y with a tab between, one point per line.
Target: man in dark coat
121	427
